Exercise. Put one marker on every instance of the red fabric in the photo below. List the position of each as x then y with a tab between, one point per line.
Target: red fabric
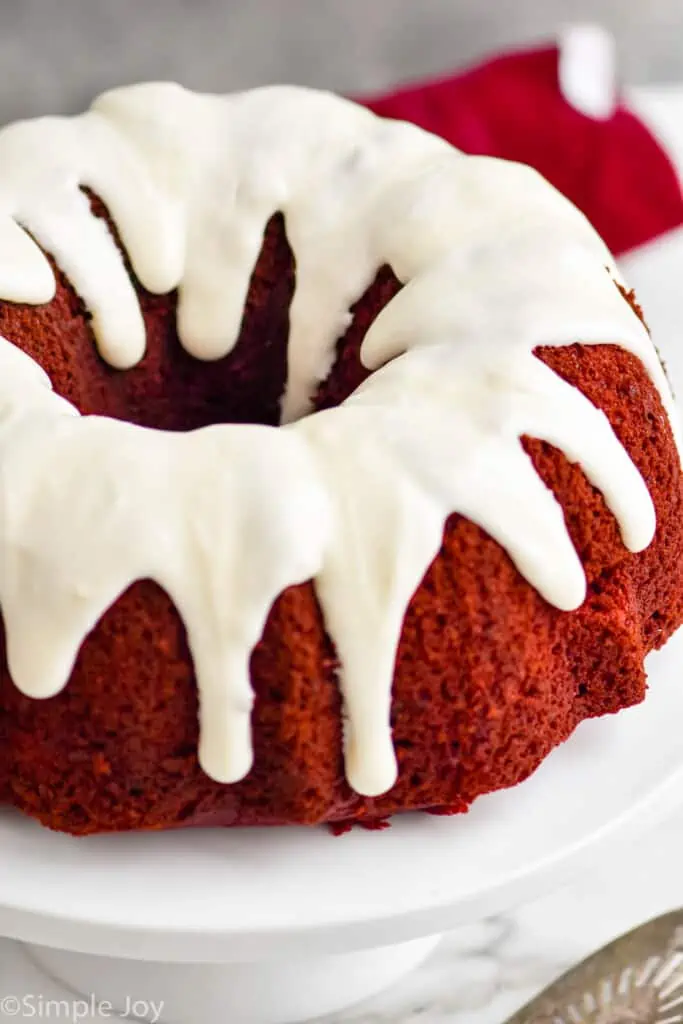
511	107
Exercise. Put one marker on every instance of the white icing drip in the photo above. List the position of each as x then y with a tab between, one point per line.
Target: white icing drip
103	537
495	263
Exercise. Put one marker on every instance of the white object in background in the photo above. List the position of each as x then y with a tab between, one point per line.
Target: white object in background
655	270
588	70
661	109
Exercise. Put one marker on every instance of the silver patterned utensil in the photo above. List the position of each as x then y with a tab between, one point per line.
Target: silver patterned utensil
637	979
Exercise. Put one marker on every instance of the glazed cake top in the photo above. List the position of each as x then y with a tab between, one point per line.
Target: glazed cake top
494	263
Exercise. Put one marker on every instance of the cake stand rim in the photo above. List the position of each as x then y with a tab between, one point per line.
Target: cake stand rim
68	921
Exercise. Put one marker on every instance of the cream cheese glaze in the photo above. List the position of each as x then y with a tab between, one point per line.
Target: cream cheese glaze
494	262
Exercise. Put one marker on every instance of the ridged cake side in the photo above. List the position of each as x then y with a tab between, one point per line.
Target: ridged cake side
489	676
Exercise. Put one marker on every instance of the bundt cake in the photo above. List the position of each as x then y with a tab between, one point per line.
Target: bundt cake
462	540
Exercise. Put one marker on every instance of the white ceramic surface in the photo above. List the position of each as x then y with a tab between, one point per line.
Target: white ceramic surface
481	973
272	992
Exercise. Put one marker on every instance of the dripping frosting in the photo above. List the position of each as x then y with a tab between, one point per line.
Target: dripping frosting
494	263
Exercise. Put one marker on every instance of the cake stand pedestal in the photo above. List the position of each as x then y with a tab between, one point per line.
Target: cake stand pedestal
274	991
277	926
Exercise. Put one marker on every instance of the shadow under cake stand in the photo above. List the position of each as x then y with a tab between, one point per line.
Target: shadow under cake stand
268	926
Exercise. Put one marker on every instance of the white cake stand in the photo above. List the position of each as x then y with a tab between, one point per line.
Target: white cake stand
274	926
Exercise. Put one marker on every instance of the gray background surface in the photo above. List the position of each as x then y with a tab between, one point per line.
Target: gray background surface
56	54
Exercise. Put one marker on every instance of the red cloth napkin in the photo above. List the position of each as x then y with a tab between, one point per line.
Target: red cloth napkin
613	169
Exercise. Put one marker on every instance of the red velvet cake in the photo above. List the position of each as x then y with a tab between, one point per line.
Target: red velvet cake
462	541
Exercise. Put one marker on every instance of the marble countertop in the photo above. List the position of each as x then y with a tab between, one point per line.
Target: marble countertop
482	973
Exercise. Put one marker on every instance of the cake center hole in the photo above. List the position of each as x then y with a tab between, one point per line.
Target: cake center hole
170	389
